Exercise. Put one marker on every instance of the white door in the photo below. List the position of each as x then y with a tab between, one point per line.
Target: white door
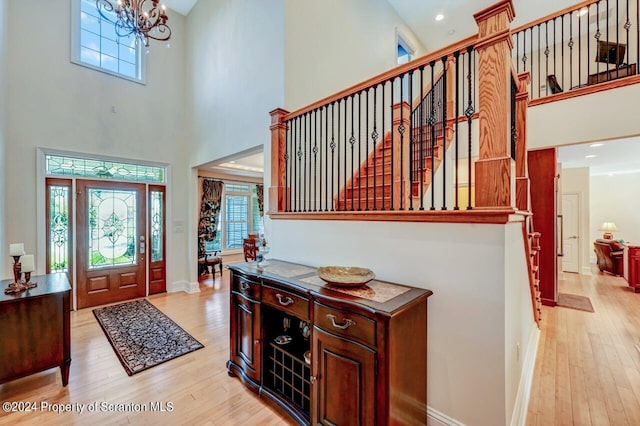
571	232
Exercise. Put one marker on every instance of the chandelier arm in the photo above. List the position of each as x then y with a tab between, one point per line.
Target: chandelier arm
142	18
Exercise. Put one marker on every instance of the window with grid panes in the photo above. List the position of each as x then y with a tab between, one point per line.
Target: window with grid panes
95	43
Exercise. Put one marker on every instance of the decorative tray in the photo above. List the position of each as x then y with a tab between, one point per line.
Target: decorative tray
345	276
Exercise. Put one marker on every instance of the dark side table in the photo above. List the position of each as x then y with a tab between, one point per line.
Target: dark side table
35	328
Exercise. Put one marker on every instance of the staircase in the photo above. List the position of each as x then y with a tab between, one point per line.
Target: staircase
532	249
372	185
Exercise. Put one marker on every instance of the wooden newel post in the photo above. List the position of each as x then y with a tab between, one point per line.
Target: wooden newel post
495	186
522	174
401	146
278	189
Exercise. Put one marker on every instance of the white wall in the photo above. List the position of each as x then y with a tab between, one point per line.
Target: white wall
3	155
521	331
333	44
576	180
56	104
584	119
616	198
479	303
235	75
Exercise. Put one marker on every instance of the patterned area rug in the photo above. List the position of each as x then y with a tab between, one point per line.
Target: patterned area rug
574	301
142	336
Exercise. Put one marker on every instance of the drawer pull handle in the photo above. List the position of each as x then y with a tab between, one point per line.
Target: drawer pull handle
287	300
347	322
312	379
244	286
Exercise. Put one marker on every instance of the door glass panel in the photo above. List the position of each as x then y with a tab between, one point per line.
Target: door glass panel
157	211
59	228
112	228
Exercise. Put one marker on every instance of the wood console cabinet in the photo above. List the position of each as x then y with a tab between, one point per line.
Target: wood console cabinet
367	346
632	266
35	331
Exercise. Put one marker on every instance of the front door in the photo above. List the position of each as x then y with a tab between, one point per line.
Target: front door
111	224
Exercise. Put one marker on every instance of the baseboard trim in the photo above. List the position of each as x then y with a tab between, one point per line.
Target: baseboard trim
521	406
436	418
186	286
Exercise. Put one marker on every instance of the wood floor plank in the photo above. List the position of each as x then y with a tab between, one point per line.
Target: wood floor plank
197	384
603	363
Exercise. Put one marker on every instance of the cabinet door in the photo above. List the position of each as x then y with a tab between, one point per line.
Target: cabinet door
634	267
245	335
344	388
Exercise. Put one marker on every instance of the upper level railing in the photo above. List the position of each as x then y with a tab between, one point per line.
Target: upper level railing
381	145
592	42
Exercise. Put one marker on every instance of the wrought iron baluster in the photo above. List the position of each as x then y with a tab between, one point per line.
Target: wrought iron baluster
469	113
315	160
383	141
432	142
588	43
524	50
345	153
319	188
420	165
304	175
366	145
579	48
617	41
374	140
562	45
627	26
456	57
352	142
360	151
411	165
338	146
299	167
326	158
444	132
538	60
546	54
287	202
392	143
333	148
401	130
607	66
517	52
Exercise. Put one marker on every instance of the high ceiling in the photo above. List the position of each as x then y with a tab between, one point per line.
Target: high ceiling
604	158
181	6
458	21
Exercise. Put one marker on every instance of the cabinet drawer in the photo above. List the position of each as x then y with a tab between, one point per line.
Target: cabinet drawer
286	301
343	323
246	287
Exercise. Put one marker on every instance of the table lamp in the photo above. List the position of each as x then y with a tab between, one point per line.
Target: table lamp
608	227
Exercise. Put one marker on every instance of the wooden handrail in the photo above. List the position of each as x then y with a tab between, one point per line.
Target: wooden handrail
387	75
554	15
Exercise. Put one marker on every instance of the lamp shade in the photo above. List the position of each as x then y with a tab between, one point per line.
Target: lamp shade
608	227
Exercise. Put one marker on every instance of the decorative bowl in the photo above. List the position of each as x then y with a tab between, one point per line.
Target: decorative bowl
345	276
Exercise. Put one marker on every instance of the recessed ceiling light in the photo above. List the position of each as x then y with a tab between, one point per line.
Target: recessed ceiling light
232	162
439	17
583	11
590	156
595	145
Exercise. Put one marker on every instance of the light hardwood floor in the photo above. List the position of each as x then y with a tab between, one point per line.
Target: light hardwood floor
197	383
588	368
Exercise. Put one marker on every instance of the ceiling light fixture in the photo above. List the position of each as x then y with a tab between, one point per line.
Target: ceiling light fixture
142	18
583	11
595	145
590	156
439	17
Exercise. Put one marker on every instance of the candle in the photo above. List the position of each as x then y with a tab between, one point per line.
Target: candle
27	262
16	249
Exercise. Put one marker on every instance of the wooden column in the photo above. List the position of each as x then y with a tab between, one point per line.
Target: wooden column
278	191
495	186
522	174
401	146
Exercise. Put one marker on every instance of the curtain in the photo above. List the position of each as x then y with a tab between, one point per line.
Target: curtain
209	213
260	195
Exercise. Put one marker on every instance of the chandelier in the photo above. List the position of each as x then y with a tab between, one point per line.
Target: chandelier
142	18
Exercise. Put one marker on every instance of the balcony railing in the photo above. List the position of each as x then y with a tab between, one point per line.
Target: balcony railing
584	45
430	136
